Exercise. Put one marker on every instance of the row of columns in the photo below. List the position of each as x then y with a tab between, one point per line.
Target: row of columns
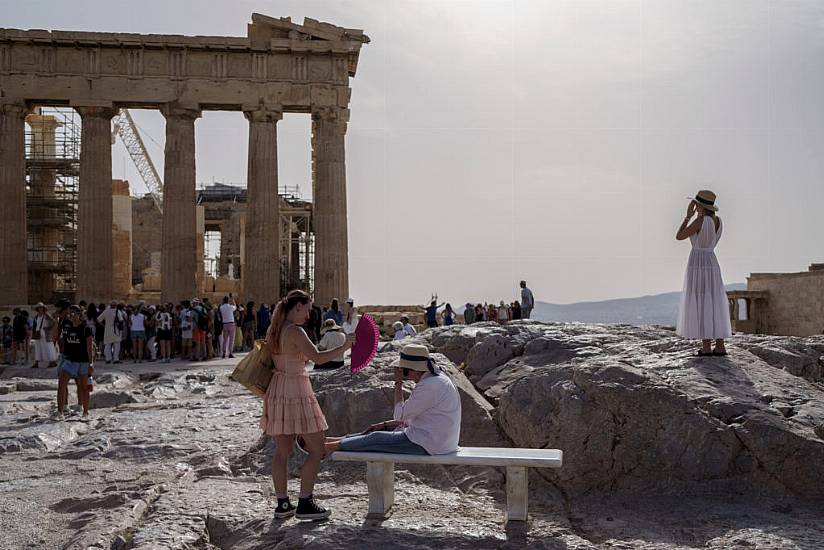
261	272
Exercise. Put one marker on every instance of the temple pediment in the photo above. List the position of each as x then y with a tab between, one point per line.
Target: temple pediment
266	27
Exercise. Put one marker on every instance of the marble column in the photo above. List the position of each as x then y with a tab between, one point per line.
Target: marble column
178	263
261	270
95	280
13	255
329	215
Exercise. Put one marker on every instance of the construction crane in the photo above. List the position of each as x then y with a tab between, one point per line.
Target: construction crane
124	126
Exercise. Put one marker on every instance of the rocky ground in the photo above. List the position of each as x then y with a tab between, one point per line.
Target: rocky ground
662	450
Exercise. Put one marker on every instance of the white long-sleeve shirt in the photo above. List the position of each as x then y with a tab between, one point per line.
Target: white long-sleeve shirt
432	414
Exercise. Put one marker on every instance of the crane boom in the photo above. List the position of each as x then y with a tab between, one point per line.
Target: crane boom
124	126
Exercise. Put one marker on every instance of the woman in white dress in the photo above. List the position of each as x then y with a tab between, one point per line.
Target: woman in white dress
704	314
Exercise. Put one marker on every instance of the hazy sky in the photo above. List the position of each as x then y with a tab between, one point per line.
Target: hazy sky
553	141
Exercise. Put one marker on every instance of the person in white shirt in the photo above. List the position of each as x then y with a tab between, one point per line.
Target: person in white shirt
400	333
408	327
333	338
350	317
429	422
138	334
185	319
114	324
527	301
227	319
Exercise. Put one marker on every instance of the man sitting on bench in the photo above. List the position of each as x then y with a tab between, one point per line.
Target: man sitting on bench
429	422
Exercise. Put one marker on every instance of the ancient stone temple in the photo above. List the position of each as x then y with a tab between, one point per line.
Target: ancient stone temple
279	67
788	304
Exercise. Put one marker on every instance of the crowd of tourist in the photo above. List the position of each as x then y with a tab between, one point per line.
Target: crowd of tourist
473	313
191	330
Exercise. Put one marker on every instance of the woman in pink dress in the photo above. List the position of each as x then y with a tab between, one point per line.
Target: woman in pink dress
290	408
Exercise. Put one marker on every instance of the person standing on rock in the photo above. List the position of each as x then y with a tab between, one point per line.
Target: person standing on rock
469	314
77	344
704	313
290	408
527	301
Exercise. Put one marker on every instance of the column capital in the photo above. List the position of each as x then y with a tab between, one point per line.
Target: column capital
263	115
177	110
337	115
14	108
96	112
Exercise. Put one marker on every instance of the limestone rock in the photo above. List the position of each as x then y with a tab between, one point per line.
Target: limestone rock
106	399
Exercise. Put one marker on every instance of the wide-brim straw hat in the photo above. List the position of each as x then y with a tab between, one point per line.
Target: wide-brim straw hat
414	357
706	199
328	325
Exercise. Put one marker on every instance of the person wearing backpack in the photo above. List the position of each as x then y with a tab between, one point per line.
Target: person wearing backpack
200	327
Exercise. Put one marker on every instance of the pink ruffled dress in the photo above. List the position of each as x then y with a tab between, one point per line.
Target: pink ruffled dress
290	406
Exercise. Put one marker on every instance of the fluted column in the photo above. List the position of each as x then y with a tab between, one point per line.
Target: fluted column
94	211
329	216
261	270
13	256
178	258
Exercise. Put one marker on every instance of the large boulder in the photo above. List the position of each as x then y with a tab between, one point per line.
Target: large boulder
634	410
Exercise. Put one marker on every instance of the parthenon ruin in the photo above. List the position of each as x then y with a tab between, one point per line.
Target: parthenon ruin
279	67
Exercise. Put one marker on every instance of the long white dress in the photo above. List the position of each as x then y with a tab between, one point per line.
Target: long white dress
705	310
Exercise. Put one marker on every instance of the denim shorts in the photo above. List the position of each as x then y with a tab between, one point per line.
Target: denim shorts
381	442
139	334
74	369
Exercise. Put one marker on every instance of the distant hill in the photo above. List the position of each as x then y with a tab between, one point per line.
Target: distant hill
659	309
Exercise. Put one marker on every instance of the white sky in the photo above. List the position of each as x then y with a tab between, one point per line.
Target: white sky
553	141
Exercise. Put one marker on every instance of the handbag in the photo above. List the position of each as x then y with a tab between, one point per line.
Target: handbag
254	372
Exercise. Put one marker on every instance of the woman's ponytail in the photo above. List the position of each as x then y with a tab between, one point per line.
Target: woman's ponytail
278	322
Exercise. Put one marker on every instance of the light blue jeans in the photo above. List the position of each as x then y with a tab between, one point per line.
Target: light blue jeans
381	442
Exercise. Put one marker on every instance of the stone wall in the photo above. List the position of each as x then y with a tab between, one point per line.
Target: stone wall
796	301
146	234
121	238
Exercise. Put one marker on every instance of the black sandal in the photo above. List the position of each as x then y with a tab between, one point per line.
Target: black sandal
703	353
719	353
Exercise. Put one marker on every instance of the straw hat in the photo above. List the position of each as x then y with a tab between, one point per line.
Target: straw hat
328	325
39	305
706	198
414	357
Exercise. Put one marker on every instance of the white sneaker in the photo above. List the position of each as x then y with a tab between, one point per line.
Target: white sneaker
59	417
85	417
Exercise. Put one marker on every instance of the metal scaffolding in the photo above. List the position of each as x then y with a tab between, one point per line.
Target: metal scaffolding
52	178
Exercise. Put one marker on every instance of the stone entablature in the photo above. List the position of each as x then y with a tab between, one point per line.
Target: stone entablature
296	67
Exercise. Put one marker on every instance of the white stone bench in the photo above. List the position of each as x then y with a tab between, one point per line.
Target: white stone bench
380	470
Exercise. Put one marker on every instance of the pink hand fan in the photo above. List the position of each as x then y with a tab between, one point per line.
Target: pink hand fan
366	343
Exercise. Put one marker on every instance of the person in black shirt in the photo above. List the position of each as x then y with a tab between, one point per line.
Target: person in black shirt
77	345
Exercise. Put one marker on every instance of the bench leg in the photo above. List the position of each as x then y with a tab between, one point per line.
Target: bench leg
380	479
516	493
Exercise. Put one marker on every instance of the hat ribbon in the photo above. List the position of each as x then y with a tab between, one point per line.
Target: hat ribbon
704	201
417	359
